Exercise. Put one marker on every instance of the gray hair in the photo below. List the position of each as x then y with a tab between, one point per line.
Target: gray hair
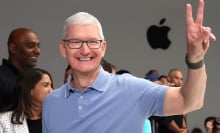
83	18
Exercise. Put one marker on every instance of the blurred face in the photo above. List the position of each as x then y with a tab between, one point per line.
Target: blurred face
84	59
209	125
176	78
164	81
41	90
217	128
26	49
113	70
67	73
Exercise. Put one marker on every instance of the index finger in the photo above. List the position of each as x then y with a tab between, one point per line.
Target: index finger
189	17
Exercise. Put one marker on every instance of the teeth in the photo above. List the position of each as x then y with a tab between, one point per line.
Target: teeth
84	59
34	57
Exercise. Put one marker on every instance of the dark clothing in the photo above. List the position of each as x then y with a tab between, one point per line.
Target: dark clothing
34	126
8	77
163	121
154	120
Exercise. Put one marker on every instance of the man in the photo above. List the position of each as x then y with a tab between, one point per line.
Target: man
174	123
23	50
175	77
95	101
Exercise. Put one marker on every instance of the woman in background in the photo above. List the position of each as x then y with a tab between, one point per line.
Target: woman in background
31	89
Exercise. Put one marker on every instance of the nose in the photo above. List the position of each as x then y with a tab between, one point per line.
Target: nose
37	50
50	90
84	48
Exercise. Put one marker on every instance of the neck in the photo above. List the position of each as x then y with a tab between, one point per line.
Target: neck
82	81
19	66
36	113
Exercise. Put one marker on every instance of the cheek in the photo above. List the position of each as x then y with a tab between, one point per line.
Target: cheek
63	51
103	50
39	95
25	51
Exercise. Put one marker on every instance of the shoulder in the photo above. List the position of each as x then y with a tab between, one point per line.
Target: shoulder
125	78
8	73
5	115
8	127
131	81
5	118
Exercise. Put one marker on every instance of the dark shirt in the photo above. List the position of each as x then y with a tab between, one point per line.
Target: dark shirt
163	121
34	126
8	77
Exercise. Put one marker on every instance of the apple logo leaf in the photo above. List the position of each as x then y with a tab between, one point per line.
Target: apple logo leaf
157	35
162	21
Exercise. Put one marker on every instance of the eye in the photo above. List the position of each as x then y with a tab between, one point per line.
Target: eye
30	45
46	84
93	42
75	41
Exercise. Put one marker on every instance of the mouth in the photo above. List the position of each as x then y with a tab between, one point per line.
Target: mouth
85	58
34	58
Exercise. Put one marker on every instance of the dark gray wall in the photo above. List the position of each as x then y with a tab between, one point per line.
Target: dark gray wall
124	23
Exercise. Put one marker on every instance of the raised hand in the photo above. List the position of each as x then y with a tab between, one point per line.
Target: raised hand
197	35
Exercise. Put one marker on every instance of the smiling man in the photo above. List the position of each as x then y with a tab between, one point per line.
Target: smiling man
23	50
95	101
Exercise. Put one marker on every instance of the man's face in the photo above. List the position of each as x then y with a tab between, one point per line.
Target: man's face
84	59
27	49
176	78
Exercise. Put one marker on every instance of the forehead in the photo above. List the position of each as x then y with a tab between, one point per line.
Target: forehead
44	78
179	74
26	37
176	73
83	31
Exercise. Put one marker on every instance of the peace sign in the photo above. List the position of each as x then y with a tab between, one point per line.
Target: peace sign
197	35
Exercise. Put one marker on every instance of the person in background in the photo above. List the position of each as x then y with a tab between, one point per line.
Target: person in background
32	86
174	123
23	50
152	72
122	71
96	101
163	79
67	73
113	68
216	125
153	78
175	77
209	124
106	65
147	126
196	130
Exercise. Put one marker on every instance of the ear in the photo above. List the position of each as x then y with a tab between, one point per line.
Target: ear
62	49
103	48
12	48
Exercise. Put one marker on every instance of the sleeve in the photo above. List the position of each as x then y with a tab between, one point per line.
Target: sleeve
3	123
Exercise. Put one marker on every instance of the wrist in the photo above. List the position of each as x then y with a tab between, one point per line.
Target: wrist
196	65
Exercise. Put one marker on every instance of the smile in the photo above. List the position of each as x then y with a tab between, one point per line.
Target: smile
85	59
